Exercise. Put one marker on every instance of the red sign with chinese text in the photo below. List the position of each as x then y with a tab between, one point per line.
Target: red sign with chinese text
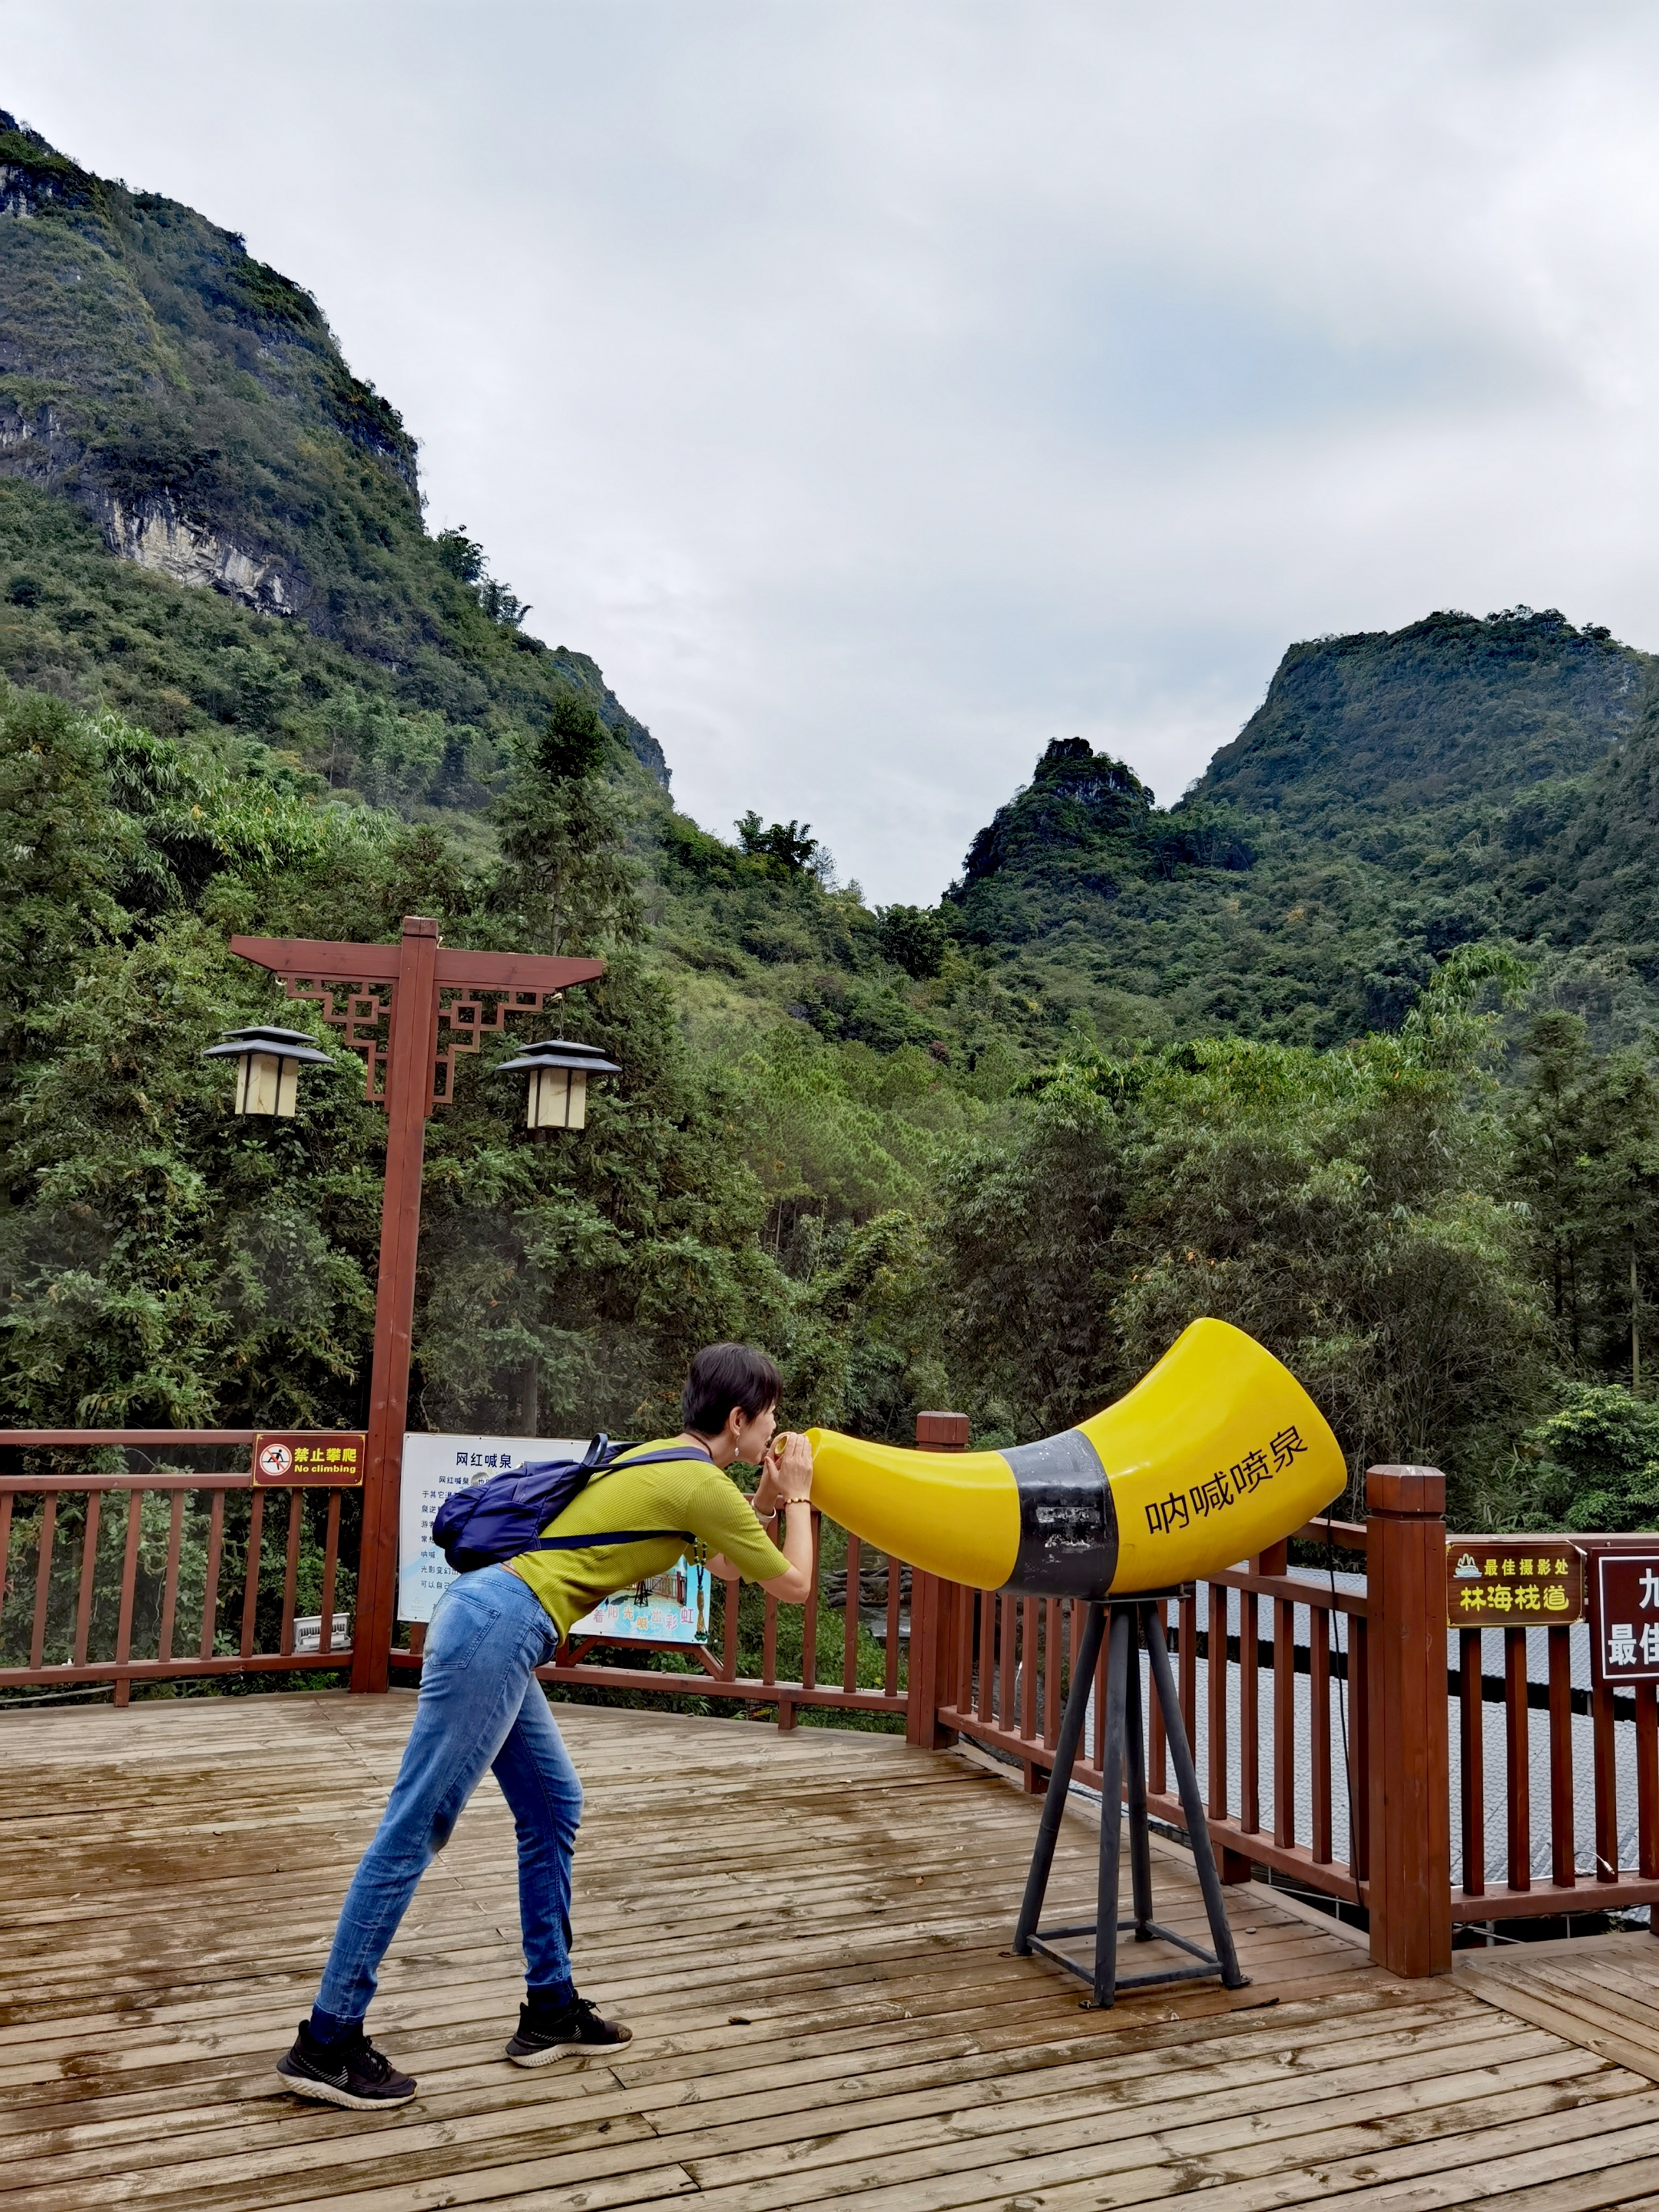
304	1456
1625	1617
1513	1582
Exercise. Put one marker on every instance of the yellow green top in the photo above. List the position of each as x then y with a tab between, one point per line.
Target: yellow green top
680	1493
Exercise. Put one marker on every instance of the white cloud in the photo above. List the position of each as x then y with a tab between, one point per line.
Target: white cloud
877	390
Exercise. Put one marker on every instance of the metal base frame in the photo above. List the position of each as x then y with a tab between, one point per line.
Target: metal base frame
1132	1622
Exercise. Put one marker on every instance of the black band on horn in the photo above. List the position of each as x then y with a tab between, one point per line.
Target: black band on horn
1067	1522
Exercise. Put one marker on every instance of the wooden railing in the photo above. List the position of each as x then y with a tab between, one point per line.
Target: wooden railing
831	1681
70	1602
1340	1735
1009	1668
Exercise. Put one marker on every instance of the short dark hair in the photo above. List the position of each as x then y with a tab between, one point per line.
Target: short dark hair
726	1375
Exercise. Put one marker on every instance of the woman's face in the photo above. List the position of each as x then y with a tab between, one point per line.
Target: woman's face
754	1433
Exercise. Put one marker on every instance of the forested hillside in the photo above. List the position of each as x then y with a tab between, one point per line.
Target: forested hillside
1348	1045
1394	797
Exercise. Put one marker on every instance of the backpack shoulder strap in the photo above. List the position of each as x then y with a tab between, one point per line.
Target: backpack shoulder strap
651	1459
624	1535
606	1537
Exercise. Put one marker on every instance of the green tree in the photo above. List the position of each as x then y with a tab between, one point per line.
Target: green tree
570	1280
58	853
169	1263
1587	1156
568	885
789	843
1597	1462
912	939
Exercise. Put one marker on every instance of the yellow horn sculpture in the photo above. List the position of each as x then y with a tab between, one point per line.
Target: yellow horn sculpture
1215	1455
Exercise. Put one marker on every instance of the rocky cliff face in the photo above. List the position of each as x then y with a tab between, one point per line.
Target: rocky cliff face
180	390
156	535
193	402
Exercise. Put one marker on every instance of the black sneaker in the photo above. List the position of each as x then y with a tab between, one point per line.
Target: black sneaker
350	2072
544	2034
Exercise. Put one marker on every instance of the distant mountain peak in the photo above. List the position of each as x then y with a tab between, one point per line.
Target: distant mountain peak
1453	705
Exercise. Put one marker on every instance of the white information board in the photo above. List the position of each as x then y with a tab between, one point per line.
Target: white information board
433	1467
673	1609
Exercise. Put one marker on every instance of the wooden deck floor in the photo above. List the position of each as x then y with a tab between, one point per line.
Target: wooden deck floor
808	1937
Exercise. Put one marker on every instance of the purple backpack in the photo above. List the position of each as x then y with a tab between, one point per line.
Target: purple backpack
499	1518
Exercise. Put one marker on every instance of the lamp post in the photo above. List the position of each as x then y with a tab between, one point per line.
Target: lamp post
408	1009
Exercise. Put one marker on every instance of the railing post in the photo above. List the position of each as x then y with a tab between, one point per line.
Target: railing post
1410	1894
932	1618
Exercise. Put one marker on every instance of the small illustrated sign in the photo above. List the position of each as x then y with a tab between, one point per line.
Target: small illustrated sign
304	1456
308	1633
1624	1616
1513	1582
670	1608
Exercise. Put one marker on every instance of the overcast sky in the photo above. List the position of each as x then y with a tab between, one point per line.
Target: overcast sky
877	390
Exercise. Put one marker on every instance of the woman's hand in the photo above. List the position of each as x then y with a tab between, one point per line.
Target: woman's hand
791	1467
791	1472
767	1489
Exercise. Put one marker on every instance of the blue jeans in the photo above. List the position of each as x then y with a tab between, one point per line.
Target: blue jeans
480	1706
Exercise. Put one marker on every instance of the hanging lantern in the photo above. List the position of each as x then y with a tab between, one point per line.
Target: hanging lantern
558	1072
267	1067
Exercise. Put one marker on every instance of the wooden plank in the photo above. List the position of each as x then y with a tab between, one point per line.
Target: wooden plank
1284	1722
1134	2168
331	1566
892	2046
88	1578
776	2122
170	1575
1605	1769
1618	2047
998	2102
291	1568
128	1579
1646	1778
1066	2105
210	1587
1319	1764
1597	1994
1052	1665
1215	1699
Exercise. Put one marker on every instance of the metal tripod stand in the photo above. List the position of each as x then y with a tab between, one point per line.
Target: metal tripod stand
1132	1621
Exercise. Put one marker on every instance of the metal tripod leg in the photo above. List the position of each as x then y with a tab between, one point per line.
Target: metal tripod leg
1192	1805
1134	1745
1111	1807
1054	1805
